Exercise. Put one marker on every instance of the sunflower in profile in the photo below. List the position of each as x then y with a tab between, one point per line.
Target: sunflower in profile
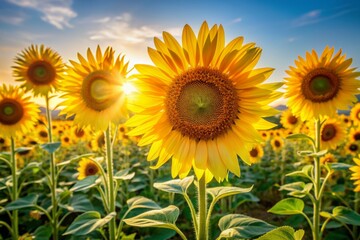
39	68
98	141
332	133
356	174
355	114
87	167
18	114
256	153
290	121
318	86
328	158
94	89
200	101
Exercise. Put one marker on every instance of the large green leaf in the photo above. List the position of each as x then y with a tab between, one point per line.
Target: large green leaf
124	174
283	233
297	189
25	202
85	183
163	218
220	192
241	226
340	166
142	202
179	186
288	206
346	215
88	222
79	203
51	147
43	232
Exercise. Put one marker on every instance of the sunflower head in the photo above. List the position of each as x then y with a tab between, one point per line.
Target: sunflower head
256	153
318	86
98	141
18	114
200	100
277	143
94	89
87	167
328	158
39	68
290	121
355	114
352	148
356	174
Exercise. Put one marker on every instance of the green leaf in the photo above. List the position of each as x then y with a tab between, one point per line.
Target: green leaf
346	215
325	214
51	147
179	186
142	202
283	233
79	203
340	166
25	202
312	154
75	159
288	206
220	192
84	184
162	218
242	226
297	189
88	222
305	172
299	135
124	174
43	232
23	149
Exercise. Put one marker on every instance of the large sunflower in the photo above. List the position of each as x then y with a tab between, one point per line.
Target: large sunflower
39	68
94	89
318	86
202	102
18	114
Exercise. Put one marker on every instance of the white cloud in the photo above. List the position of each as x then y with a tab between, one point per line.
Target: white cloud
13	20
236	20
307	18
56	12
121	29
291	39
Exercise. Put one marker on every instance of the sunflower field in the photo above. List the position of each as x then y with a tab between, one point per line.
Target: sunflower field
189	147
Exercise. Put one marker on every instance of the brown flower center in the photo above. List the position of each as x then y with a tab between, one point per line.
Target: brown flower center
91	169
353	147
79	132
292	119
101	140
202	103
43	134
99	90
328	132
41	73
320	85
277	143
254	152
11	111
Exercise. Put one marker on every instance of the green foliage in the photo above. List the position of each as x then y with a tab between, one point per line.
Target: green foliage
25	202
283	233
288	206
51	147
179	186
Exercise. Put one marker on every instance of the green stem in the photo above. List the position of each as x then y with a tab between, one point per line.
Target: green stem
317	185
182	235
356	209
202	233
193	212
111	194
15	214
53	175
7	226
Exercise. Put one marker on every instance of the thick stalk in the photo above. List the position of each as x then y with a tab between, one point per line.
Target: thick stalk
203	231
356	208
317	185
15	214
111	194
53	177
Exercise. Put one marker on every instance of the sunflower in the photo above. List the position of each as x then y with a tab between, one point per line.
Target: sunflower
94	89
39	68
66	140
42	133
346	120
290	121
87	167
354	134
277	143
4	144
200	102
98	141
328	158
332	133
18	114
356	174
355	114
352	148
264	135
79	134
318	86
256	153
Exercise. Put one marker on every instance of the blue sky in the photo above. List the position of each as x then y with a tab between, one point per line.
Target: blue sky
283	29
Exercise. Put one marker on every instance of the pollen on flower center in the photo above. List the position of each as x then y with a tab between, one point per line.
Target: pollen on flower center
320	85
202	103
328	132
11	112
98	90
41	73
